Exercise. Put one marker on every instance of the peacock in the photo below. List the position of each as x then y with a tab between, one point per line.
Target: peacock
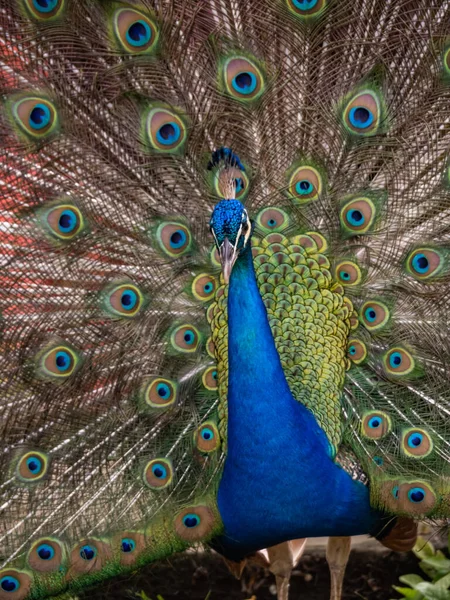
225	256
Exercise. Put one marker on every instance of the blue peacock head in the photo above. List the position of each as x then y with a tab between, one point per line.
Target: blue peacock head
231	228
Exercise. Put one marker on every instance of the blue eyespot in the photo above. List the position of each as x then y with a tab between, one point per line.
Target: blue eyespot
304	4
304	187
178	239
370	314
163	390
34	465
168	134
129	299
67	221
45	552
214	374
190	520
45	6
139	34
208	287
207	434
189	337
415	440
127	545
395	360
420	263
344	275
159	471
416	495
88	552
355	217
395	492
9	584
352	350
378	460
361	117
39	117
63	361
375	422
244	82
271	222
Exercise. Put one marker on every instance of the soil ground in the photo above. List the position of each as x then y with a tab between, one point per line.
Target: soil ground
204	576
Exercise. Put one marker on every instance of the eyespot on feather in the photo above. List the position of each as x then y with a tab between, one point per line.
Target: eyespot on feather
166	130
358	216
425	263
412	498
160	393
305	184
58	362
35	116
204	287
64	222
356	351
306	9
174	239
242	79
398	361
376	425
416	443
272	219
89	556
374	315
209	378
46	555
135	31
361	115
125	300
129	545
194	523
14	584
348	273
32	466
207	438
185	338
45	10
158	473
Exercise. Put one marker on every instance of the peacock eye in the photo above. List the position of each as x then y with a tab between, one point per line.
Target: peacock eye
44	9
124	300
32	466
64	222
135	31
362	114
357	216
174	239
306	8
158	473
159	393
46	555
59	362
36	117
243	79
305	184
166	130
425	263
206	437
193	523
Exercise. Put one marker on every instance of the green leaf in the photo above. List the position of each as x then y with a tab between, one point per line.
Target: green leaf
423	549
444	582
440	564
431	592
408	593
411	580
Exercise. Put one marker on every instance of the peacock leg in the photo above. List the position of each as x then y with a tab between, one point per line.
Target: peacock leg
338	551
282	559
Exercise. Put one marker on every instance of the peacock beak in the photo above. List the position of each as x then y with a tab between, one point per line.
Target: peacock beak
228	256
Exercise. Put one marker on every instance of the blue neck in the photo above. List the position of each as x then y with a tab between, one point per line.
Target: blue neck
279	482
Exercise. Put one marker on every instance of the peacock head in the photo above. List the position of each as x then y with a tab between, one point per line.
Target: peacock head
231	228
